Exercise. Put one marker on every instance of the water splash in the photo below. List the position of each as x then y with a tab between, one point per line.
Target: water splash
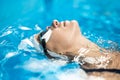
24	28
52	70
6	31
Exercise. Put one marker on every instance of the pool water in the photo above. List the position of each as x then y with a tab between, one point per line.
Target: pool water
20	20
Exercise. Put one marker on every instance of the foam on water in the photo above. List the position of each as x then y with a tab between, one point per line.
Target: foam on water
52	68
24	44
24	28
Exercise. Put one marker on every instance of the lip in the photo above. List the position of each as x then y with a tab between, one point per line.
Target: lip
66	23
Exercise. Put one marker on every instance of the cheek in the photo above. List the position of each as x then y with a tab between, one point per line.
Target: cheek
61	38
59	41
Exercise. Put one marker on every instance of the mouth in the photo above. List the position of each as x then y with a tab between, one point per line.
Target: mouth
66	23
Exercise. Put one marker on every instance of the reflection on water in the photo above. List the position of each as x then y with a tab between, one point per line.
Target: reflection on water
18	58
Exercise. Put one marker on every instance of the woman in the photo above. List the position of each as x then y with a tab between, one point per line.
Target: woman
64	40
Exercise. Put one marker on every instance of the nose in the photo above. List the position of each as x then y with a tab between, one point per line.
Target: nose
55	23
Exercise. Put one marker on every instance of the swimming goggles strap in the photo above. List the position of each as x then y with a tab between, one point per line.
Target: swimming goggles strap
44	39
45	49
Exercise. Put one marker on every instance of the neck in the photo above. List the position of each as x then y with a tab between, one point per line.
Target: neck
83	44
89	55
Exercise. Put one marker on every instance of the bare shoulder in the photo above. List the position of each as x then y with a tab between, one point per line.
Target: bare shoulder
114	62
106	75
97	60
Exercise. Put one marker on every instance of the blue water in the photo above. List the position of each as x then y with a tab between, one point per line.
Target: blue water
19	19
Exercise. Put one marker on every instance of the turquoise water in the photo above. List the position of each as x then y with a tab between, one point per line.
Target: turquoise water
19	20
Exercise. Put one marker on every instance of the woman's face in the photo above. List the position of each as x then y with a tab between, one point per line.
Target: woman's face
65	36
